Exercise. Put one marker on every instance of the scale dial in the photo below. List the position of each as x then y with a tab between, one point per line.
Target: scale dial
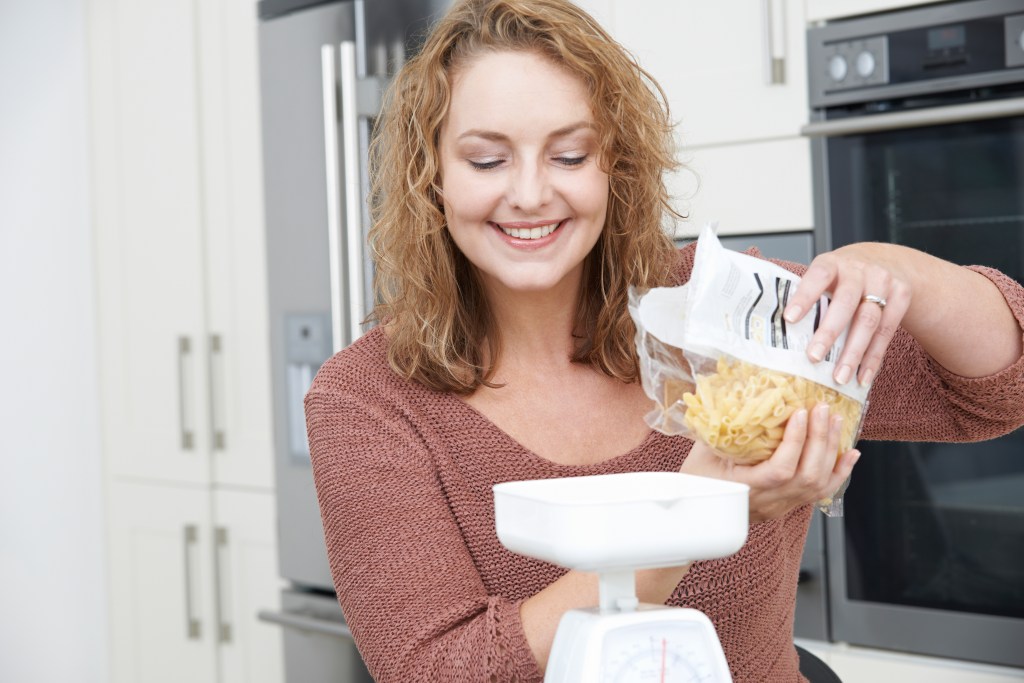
660	652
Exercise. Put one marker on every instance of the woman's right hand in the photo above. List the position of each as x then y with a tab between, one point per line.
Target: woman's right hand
803	469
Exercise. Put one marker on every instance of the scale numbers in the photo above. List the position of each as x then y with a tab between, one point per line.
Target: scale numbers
657	653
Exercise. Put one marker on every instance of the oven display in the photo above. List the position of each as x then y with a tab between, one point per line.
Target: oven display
946	38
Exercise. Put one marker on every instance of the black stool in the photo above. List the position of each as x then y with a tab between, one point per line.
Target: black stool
814	669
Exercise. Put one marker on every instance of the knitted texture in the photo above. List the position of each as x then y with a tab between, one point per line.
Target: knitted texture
404	475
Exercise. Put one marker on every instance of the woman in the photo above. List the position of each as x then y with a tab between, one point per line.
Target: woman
518	192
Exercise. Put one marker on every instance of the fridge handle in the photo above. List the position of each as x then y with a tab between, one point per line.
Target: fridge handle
330	97
350	112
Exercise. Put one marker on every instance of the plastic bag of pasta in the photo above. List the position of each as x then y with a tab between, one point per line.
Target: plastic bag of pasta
723	366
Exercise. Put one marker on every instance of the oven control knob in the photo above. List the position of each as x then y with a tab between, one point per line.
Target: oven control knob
837	67
865	64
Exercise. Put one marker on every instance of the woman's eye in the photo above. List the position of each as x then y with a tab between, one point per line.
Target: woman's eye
485	165
571	161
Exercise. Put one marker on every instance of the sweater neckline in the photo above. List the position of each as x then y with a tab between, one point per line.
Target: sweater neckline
378	340
607	465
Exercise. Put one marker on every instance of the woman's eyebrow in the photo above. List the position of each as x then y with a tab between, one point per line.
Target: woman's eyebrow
501	137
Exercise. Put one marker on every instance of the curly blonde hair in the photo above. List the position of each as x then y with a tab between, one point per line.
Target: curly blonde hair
441	333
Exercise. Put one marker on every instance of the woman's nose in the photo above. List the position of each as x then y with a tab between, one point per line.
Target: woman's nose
529	187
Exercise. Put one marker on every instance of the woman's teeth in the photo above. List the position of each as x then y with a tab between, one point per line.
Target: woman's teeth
529	233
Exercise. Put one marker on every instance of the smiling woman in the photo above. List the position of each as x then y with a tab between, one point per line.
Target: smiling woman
517	193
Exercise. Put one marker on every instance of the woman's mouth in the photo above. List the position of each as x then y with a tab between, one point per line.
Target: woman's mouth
529	232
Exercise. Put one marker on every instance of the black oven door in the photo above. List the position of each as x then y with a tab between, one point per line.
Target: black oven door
930	555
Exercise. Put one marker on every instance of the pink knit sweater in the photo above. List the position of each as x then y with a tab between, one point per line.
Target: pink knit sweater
404	475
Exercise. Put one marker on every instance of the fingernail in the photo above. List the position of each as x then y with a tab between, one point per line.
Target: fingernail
800	416
817	351
856	457
866	378
843	374
792	313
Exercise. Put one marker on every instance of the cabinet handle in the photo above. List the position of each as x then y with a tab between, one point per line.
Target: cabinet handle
328	74
193	628
221	566
217	397
184	409
774	41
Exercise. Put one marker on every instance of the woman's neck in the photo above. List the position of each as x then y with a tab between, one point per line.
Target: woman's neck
536	329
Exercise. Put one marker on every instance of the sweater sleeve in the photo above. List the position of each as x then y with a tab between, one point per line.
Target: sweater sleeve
914	398
406	582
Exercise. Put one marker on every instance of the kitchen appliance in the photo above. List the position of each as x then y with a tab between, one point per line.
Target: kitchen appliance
614	524
323	67
917	128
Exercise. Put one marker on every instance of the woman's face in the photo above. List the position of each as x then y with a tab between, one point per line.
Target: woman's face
523	193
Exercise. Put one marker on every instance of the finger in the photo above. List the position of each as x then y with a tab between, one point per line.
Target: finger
822	444
869	319
843	469
782	465
840	313
835	433
895	309
815	282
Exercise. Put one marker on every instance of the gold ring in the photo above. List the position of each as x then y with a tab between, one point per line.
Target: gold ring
871	298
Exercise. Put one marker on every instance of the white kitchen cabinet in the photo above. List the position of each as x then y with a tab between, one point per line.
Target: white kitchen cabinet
183	340
250	650
181	285
734	75
161	585
189	569
750	188
733	71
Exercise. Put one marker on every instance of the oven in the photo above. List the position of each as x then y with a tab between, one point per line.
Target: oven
917	130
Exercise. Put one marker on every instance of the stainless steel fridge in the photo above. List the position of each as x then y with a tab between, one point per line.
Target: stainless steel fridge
323	68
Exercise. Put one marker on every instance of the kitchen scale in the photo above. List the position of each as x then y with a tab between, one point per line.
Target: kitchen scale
614	524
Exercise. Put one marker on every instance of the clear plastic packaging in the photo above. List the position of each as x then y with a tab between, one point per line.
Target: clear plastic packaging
724	367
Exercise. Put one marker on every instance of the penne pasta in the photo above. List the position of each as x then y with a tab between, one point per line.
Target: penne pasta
741	409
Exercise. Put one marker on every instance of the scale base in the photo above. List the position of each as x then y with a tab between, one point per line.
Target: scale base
650	643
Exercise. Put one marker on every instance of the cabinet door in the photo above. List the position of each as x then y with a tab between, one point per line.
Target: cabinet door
750	188
150	276
247	582
716	62
238	358
162	612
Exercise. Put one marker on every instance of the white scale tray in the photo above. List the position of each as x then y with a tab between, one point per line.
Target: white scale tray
616	522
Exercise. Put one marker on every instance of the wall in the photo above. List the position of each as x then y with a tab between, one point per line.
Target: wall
52	596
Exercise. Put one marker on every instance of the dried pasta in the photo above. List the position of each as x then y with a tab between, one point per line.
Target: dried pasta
741	409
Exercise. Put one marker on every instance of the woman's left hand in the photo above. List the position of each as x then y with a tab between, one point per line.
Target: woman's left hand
802	470
869	294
